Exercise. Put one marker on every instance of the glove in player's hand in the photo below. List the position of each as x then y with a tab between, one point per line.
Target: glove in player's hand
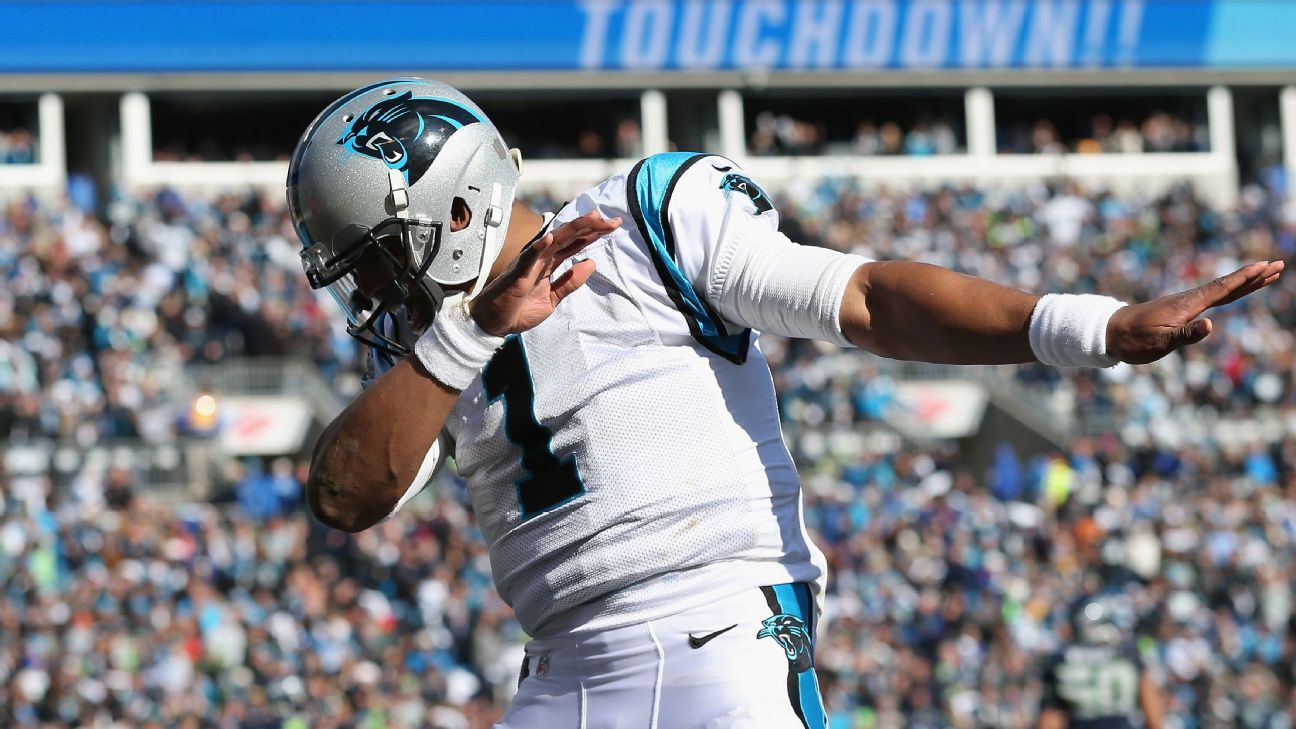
1142	333
525	295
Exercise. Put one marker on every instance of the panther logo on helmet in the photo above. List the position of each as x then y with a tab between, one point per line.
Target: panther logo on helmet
406	132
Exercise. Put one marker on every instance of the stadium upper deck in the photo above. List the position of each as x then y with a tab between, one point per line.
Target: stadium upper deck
213	94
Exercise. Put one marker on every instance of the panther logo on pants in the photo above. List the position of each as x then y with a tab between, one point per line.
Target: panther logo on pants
790	632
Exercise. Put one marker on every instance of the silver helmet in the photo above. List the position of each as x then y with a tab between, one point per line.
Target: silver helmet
375	177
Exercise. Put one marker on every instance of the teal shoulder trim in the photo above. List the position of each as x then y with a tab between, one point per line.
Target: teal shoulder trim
648	190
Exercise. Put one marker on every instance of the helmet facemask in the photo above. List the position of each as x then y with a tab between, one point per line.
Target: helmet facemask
370	259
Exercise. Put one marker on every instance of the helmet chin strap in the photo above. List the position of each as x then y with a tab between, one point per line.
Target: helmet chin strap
493	239
399	193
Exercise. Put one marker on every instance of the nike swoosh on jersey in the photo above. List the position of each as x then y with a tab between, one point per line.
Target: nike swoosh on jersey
699	642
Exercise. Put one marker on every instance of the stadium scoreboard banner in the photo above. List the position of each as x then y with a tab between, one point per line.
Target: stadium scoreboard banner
107	36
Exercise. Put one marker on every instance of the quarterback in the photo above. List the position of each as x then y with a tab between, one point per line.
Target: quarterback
596	375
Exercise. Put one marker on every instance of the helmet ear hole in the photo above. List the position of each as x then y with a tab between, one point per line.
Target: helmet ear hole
460	215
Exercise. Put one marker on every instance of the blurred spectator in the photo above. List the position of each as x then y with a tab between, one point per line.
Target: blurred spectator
17	147
1065	215
892	138
784	134
867	140
629	140
1044	138
1159	131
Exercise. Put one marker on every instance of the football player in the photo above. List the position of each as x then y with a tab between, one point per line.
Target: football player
595	374
1098	681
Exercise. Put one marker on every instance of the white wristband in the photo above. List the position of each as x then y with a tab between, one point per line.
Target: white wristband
1070	330
455	349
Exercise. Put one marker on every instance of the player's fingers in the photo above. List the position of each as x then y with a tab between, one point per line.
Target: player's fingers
594	233
533	250
1230	287
532	263
1261	280
575	245
1273	273
572	279
574	227
591	222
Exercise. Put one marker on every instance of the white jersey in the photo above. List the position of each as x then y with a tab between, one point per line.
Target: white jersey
624	457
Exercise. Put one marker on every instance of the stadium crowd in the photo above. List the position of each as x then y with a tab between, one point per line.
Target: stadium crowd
947	586
784	134
1159	131
774	133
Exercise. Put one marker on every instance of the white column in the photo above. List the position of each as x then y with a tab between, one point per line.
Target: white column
1287	114
978	108
733	142
53	145
652	110
136	137
1219	115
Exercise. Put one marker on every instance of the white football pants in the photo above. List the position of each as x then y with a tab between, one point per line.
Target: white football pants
745	662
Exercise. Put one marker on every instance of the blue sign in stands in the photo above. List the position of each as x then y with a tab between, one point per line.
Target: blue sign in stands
642	35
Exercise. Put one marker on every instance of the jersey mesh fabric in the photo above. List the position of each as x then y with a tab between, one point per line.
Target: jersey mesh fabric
689	492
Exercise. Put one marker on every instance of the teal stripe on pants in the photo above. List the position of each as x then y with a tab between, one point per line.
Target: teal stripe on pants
795	600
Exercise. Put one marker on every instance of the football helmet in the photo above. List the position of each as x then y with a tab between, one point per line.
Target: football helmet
1105	619
373	181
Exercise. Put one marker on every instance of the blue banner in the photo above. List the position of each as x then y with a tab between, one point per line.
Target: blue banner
641	35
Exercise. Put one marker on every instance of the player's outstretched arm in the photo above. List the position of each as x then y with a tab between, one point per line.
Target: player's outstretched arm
915	311
373	450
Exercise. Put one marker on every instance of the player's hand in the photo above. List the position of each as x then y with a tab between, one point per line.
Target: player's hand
1142	333
523	296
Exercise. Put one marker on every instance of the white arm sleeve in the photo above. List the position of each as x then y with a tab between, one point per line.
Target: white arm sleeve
771	284
749	272
432	464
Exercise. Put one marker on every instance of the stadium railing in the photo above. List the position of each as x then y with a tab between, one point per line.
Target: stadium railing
1047	413
185	469
263	376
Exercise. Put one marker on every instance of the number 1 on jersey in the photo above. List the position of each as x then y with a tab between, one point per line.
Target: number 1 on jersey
549	481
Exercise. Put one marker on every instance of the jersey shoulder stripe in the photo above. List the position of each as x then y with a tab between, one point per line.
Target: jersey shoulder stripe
648	192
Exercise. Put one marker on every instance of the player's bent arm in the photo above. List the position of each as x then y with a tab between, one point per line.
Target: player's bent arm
1052	718
1150	702
915	311
372	453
